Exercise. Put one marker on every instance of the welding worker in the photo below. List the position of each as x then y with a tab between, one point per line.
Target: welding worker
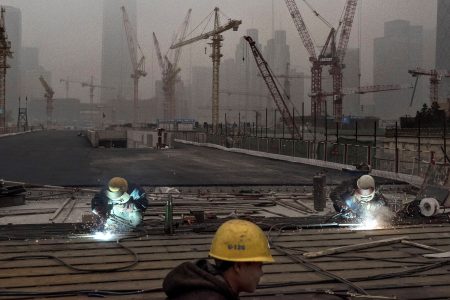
120	206
353	198
239	249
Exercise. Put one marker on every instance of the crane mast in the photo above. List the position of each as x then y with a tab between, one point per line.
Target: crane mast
216	44
49	97
138	66
5	52
273	88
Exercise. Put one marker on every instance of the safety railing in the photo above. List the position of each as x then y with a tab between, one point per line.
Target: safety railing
380	158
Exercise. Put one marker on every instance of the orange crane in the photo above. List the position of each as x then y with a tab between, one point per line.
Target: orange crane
5	52
277	97
216	44
138	66
170	71
49	97
435	78
329	55
92	86
67	82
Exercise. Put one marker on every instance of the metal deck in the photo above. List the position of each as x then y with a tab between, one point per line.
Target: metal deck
380	271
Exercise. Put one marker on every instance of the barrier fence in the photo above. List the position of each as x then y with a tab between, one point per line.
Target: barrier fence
380	158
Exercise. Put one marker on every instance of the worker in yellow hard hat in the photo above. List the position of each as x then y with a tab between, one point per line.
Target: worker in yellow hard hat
353	198
120	205
239	249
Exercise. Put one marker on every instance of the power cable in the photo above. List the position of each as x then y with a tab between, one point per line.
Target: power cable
89	293
72	267
314	267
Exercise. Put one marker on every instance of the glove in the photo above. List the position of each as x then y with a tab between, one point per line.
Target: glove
348	213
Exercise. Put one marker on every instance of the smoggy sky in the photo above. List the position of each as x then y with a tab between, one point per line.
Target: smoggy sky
68	32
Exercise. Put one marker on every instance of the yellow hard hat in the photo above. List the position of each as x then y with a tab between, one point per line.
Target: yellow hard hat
240	241
117	186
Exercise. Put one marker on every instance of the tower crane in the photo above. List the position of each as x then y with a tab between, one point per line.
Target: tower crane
216	43
138	65
49	97
170	70
435	78
67	82
329	55
273	88
92	86
5	52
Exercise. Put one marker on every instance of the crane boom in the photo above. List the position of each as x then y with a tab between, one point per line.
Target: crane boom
370	89
435	77
138	66
158	53
273	88
231	24
301	28
48	90
184	28
347	22
49	97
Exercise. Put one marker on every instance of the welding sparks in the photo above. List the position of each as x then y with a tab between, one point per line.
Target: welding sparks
369	224
103	236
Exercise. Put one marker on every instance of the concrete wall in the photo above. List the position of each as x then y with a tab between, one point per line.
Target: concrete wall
147	139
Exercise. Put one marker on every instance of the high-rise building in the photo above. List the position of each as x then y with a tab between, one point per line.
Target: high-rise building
443	44
399	50
200	103
277	55
13	25
116	61
351	105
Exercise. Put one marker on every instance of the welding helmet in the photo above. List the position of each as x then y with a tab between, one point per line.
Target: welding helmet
117	190
366	188
240	241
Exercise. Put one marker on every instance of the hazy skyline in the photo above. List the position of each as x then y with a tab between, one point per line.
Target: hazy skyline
68	33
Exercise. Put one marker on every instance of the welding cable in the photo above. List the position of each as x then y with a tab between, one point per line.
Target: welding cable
316	268
311	266
72	267
89	293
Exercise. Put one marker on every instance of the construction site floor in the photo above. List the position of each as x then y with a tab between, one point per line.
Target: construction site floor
395	271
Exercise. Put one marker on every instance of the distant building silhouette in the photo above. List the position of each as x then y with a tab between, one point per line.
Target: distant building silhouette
400	49
116	63
351	103
443	44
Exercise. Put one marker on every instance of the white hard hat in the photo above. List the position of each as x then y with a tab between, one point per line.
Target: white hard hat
366	182
366	188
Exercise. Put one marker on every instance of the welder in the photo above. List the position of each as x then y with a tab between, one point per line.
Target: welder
239	248
355	198
119	205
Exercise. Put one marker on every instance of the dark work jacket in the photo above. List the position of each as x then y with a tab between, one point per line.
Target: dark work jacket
101	205
345	202
197	281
